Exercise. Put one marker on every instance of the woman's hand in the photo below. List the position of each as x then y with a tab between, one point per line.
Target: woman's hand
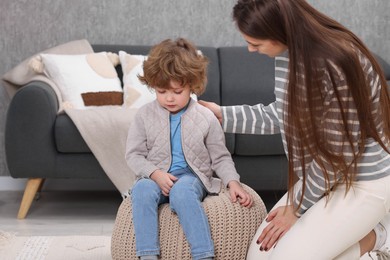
164	180
238	193
216	109
280	221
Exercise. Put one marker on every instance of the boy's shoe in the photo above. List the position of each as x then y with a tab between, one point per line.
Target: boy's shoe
383	253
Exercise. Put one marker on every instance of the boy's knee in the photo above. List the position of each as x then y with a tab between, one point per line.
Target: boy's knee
144	189
180	197
177	196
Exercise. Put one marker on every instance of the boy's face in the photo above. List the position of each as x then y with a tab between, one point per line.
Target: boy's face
175	98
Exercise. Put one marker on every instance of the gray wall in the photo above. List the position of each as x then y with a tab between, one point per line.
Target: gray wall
27	27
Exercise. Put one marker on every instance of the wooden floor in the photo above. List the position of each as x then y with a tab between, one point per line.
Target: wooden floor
68	212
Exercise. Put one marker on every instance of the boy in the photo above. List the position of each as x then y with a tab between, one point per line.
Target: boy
174	147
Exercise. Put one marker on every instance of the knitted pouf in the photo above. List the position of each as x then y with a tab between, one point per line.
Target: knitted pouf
232	229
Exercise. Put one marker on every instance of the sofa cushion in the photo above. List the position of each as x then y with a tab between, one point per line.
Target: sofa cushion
266	172
252	145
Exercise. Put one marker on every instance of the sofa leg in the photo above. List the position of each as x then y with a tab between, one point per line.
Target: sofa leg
38	194
32	186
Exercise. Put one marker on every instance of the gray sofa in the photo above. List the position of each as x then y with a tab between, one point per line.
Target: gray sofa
41	144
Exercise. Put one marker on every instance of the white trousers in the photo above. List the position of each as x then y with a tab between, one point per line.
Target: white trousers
331	231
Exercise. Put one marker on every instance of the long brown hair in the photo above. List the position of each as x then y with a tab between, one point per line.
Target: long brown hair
318	45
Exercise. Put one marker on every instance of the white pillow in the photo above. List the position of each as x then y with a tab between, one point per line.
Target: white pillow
135	94
77	74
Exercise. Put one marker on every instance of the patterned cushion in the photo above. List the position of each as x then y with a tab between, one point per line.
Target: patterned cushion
83	73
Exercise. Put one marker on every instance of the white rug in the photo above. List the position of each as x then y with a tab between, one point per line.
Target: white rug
54	247
61	247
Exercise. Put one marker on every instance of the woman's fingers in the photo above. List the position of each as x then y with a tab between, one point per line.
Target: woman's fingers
272	214
263	234
272	238
280	221
269	236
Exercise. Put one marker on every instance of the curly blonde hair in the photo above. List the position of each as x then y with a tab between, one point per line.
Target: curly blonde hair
178	61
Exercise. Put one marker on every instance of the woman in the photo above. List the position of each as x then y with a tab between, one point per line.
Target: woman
332	109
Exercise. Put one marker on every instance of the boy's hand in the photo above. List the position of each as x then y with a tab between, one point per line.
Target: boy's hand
238	193
164	180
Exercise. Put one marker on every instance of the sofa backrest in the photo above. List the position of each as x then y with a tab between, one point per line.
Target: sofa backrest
248	78
235	77
385	66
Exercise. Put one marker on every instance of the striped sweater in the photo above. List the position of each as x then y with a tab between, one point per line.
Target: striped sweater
268	119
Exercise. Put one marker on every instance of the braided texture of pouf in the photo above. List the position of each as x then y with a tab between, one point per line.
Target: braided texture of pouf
232	229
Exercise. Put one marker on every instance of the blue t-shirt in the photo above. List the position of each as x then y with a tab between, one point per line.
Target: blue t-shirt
178	160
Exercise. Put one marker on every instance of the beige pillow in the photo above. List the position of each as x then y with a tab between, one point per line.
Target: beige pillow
84	73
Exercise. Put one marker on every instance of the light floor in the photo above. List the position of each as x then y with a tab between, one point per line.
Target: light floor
61	213
68	212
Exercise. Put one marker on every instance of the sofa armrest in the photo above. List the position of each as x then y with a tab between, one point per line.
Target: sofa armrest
29	135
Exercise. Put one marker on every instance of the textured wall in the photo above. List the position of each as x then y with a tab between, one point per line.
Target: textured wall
30	26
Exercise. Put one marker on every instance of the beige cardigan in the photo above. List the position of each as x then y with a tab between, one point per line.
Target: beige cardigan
203	140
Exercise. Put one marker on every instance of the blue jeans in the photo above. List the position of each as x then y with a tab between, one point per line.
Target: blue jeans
185	200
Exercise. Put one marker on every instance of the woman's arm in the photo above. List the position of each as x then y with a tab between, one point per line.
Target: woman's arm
245	119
